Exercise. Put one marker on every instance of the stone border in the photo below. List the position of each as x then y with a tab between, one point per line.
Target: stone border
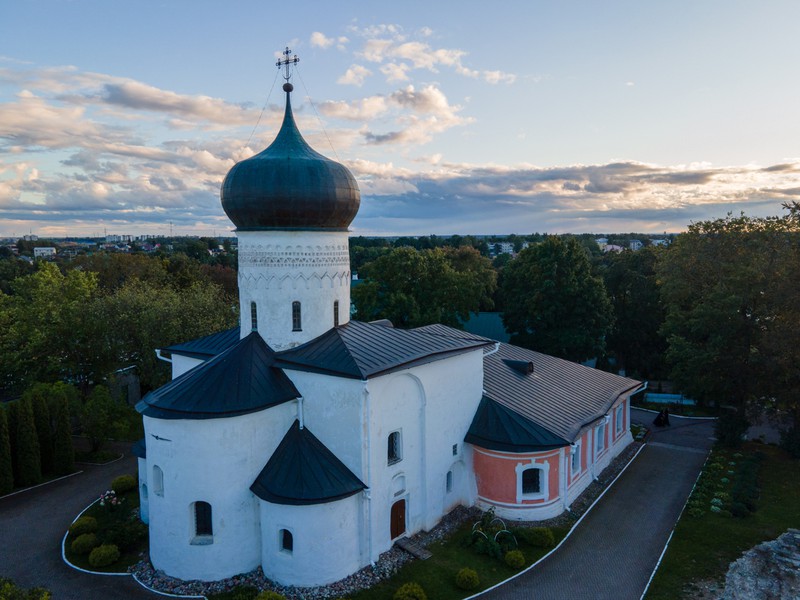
64	543
569	533
33	487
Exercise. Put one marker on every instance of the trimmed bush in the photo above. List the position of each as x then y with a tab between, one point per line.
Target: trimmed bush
270	595
28	458
467	579
64	458
11	591
539	537
6	466
83	525
85	543
123	483
515	559
410	591
125	535
104	555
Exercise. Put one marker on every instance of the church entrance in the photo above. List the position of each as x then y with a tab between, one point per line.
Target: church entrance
398	518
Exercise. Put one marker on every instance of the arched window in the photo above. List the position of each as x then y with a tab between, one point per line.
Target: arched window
202	520
253	317
287	541
335	313
531	481
158	481
297	321
394	452
449	482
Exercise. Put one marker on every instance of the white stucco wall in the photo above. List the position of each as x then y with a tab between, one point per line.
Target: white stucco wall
181	364
215	461
277	268
326	541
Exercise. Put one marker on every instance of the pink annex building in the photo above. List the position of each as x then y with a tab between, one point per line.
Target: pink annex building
307	443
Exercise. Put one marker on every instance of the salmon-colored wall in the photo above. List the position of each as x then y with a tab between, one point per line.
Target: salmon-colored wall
496	474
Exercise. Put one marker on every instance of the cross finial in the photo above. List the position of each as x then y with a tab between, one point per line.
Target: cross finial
287	61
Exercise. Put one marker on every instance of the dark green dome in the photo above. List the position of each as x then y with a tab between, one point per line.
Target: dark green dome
290	186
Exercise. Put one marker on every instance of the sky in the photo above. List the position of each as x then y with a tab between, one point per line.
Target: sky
454	116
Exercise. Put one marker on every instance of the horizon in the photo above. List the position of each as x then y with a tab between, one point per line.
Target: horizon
558	118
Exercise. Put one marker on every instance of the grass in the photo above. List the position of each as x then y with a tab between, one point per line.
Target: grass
105	520
437	574
703	547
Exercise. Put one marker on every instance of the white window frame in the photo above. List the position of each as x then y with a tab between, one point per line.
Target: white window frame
619	418
158	481
575	454
600	438
544	479
201	539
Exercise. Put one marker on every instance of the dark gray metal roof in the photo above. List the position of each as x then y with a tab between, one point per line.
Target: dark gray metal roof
561	396
303	471
206	347
452	332
363	350
290	186
241	380
496	427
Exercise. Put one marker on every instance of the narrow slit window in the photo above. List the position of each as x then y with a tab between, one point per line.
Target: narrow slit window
297	320
287	541
253	317
158	481
449	482
394	450
335	313
202	519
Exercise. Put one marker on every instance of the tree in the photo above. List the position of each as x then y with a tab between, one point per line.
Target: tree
6	468
635	339
553	302
27	458
64	452
413	288
37	396
102	418
731	321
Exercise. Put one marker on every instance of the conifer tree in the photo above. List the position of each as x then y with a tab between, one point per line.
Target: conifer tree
28	458
12	414
64	456
44	430
6	470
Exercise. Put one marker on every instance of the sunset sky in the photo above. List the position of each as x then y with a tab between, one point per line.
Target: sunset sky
455	117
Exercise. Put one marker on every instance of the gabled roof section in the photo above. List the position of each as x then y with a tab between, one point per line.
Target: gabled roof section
206	347
451	332
303	471
362	350
241	380
560	396
496	427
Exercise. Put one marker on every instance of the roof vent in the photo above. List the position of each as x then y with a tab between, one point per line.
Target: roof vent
523	366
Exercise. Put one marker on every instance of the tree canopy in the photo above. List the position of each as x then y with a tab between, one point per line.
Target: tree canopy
554	303
419	287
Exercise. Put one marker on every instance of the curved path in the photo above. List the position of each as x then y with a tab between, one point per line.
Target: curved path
613	551
33	522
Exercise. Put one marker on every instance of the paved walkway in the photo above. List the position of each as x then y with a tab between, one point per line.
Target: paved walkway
615	548
33	523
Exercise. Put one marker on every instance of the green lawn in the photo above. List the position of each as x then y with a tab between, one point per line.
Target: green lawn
703	546
437	574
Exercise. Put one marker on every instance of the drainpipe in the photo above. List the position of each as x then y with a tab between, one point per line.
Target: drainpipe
495	349
300	411
563	476
162	357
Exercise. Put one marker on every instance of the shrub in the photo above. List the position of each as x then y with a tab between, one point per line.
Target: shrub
123	483
731	427
488	546
85	543
240	592
83	525
467	579
125	535
515	559
539	537
104	555
410	591
739	510
270	595
11	591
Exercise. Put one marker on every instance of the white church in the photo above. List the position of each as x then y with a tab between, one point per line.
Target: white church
307	443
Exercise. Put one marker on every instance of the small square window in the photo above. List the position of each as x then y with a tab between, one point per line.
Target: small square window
531	481
394	449
455	449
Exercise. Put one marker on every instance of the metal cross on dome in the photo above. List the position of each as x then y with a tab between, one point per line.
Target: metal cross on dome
287	61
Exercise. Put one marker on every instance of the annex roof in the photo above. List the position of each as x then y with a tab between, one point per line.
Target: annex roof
559	396
206	347
303	471
362	350
241	380
496	427
139	449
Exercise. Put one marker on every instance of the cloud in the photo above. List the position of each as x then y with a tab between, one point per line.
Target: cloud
355	75
359	110
320	40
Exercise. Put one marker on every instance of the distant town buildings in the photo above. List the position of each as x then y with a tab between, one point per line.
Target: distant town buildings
44	252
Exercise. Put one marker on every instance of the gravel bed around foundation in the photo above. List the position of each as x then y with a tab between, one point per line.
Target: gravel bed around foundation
388	563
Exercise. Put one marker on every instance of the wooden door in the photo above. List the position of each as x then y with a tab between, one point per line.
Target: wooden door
398	518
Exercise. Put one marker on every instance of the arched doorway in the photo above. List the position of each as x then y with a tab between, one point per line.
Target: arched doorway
398	518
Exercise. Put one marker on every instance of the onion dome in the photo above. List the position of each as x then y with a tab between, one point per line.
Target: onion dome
290	186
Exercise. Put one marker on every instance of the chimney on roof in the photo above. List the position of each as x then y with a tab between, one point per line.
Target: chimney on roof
523	366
